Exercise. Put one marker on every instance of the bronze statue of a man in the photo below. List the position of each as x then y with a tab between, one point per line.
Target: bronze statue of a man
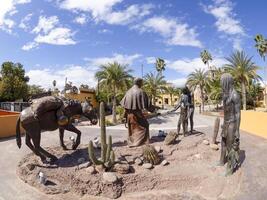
134	102
191	108
183	104
230	128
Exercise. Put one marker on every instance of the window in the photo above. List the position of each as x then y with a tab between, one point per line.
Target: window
166	101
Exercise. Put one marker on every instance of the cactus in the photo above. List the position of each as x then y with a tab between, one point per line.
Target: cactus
151	155
215	130
107	154
170	138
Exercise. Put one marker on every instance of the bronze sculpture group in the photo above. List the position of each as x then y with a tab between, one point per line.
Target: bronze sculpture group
42	116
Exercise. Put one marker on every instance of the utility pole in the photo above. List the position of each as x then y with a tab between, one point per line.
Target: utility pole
142	71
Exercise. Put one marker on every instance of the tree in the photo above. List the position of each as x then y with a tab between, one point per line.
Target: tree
261	46
13	82
154	84
172	91
160	65
214	88
35	90
205	57
198	78
115	77
243	70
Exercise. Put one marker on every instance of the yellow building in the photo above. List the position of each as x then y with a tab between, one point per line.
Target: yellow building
83	94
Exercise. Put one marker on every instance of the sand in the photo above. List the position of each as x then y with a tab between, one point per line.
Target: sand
192	173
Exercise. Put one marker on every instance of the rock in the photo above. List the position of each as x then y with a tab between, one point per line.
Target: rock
129	159
138	161
198	156
121	168
97	143
158	148
84	165
148	166
81	160
109	177
99	168
30	167
142	158
214	147
164	163
206	142
90	170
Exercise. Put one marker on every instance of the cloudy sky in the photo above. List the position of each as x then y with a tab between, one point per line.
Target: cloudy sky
55	39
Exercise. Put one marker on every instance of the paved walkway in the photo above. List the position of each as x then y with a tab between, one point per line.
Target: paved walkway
12	188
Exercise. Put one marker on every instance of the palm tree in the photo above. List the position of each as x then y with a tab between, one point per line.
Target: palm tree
172	91
198	78
243	70
115	77
205	57
154	85
214	88
160	65
261	46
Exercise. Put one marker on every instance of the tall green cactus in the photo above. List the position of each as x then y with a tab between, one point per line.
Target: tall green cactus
107	154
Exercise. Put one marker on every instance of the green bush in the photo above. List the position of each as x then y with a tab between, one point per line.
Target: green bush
120	112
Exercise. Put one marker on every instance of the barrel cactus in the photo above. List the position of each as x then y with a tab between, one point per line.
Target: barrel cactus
170	138
151	155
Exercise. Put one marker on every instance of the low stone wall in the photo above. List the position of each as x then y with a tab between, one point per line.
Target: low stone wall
8	122
254	122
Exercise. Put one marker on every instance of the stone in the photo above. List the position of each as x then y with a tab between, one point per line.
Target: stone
109	177
81	160
84	165
99	168
198	156
164	163
129	159
206	142
214	147
122	168
138	161
30	167
148	166
158	148
90	170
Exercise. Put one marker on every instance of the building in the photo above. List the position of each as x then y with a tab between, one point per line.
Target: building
82	95
166	99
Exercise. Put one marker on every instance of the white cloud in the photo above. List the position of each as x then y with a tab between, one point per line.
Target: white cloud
186	66
46	24
50	31
179	82
80	19
174	33
103	10
226	21
57	36
122	59
7	9
24	23
76	74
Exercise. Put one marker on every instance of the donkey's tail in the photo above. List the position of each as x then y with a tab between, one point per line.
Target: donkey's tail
18	137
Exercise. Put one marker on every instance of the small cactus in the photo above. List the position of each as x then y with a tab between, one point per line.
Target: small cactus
107	154
170	138
151	155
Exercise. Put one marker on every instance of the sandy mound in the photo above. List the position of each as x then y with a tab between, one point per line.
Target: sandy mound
192	173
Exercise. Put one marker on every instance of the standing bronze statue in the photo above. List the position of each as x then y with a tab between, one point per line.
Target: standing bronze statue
48	114
183	104
230	128
191	109
134	102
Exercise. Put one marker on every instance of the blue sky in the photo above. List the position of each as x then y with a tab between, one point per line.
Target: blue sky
55	39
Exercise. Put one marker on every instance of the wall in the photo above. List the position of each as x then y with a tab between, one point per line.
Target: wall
82	96
254	122
8	121
175	98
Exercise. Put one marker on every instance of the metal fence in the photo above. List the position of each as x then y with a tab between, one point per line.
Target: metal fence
14	106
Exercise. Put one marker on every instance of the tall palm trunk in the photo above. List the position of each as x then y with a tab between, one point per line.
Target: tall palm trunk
202	98
114	118
244	98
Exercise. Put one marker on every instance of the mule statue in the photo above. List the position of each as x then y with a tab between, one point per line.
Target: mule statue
50	121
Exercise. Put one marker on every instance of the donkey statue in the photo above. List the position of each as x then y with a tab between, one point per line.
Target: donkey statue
48	121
